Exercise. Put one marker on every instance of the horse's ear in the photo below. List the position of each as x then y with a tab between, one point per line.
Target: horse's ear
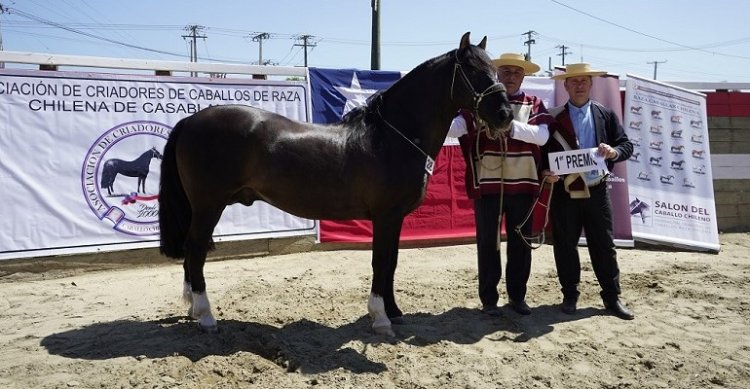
483	43
465	41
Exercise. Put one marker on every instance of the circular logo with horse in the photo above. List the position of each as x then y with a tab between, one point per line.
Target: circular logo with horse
120	176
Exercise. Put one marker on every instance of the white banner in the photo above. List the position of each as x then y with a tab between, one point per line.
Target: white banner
669	174
80	158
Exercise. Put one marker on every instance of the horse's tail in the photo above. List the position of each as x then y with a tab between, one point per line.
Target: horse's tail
174	207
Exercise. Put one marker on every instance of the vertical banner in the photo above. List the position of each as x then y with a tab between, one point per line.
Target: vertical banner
669	174
607	91
80	158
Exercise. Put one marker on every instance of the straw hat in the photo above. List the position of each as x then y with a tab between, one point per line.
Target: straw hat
514	59
578	69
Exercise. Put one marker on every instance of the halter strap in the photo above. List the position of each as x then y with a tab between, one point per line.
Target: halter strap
478	97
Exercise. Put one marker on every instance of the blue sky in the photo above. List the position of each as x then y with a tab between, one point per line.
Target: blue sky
703	41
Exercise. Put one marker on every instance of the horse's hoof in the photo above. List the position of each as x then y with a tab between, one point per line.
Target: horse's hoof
397	320
214	329
384	330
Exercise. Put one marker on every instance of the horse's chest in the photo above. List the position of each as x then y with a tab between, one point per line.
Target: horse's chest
412	192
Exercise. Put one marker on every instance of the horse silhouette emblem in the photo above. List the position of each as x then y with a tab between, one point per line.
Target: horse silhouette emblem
696	123
656	114
635	156
656	161
698	153
636	110
639	207
645	176
700	169
677	149
687	183
635	125
666	179
676	134
656	145
655	129
138	167
677	165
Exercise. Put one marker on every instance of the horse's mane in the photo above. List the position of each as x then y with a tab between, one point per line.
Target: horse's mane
473	56
362	120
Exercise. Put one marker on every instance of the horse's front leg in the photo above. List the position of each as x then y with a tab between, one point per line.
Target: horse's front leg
187	290
382	303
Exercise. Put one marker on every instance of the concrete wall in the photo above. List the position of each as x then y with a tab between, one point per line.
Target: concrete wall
729	140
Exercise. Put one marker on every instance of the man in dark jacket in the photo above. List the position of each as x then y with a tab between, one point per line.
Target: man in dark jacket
581	201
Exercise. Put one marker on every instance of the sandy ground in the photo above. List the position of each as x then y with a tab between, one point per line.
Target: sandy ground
299	320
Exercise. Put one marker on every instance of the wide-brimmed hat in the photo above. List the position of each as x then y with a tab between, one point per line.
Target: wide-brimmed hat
514	59
578	69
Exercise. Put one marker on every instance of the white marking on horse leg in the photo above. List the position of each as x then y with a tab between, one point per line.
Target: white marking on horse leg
202	312
187	297
380	322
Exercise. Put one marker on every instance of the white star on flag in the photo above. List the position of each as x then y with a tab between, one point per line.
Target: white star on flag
354	94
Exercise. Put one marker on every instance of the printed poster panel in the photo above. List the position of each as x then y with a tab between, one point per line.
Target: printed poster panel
669	174
81	155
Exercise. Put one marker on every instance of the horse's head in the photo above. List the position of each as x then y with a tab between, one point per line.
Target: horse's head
475	86
155	153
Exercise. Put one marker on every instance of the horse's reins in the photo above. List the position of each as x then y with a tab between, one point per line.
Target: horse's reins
535	242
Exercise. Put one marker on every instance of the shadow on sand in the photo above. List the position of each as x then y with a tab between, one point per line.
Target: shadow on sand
303	345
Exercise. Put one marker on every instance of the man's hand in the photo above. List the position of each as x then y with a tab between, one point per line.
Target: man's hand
549	176
607	151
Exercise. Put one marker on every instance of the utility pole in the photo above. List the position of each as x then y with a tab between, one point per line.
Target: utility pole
529	42
306	42
3	10
656	63
259	38
375	49
549	66
193	29
563	51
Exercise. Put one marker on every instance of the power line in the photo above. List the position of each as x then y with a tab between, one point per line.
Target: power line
90	35
643	33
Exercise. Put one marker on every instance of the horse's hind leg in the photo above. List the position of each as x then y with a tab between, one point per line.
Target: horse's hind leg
197	245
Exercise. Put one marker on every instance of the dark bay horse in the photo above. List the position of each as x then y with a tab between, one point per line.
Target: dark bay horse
138	167
371	165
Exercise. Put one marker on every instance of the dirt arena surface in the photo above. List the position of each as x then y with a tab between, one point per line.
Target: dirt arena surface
299	320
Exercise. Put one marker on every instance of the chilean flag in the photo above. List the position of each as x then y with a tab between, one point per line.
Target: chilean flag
335	92
446	212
